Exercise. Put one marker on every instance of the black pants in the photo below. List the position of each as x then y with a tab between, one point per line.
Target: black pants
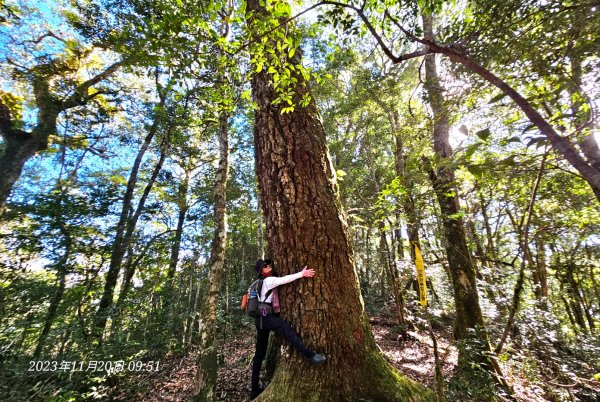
282	328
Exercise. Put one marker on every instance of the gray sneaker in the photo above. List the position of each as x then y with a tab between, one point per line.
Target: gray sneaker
317	359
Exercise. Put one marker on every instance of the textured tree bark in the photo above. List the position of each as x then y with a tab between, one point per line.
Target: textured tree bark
206	377
272	358
12	160
305	226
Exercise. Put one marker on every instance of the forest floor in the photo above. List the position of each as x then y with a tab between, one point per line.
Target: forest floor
414	358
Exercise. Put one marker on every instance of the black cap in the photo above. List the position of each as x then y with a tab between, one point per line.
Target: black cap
261	263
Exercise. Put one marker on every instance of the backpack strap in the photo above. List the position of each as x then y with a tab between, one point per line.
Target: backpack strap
259	290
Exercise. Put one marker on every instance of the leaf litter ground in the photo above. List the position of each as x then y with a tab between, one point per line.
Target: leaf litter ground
414	358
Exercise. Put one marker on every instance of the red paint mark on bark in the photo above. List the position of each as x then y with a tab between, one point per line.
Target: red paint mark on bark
357	335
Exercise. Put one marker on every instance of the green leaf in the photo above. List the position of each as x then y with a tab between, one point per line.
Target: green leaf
476	170
497	98
484	134
510	161
538	141
471	149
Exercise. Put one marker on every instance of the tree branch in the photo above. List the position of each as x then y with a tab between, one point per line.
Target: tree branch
386	49
80	94
7	131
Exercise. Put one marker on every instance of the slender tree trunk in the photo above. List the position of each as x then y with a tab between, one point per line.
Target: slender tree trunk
397	244
26	329
188	309
541	272
388	266
193	311
462	269
574	298
577	303
595	284
407	200
469	318
583	119
305	226
366	280
51	314
170	308
490	247
522	228
569	313
396	286
382	265
61	268
586	309
476	241
206	377
183	206
124	229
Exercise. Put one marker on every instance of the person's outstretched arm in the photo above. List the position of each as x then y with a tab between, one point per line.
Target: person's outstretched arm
274	281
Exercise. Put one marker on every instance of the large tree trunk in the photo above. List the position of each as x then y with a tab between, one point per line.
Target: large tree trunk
12	160
206	377
305	226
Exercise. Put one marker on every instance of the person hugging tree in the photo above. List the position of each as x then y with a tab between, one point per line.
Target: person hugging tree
268	319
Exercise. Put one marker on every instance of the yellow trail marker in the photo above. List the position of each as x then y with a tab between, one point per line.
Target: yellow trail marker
421	276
